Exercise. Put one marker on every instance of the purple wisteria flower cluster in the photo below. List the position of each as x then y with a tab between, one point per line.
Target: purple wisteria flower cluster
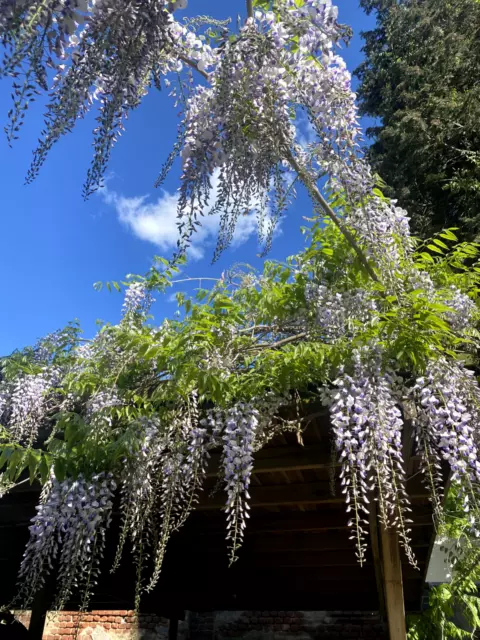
263	65
101	401
368	426
446	427
25	402
138	299
181	473
67	535
336	313
241	424
110	51
462	307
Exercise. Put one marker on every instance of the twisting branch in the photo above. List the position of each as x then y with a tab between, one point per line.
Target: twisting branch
320	200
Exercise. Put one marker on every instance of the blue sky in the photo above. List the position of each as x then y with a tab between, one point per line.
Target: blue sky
54	246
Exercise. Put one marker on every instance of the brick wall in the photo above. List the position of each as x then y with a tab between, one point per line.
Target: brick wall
218	625
287	625
100	625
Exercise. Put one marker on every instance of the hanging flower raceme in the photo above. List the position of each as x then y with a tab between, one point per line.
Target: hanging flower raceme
110	51
448	412
138	496
36	36
26	403
241	424
368	427
235	129
462	309
137	299
337	313
179	478
117	55
67	535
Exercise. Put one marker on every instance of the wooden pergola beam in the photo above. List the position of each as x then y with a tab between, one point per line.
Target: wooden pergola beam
283	459
301	494
391	565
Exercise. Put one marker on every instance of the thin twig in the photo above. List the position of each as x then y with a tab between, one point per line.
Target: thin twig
195	280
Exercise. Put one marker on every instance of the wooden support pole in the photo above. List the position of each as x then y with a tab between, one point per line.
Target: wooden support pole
39	613
173	629
392	570
377	559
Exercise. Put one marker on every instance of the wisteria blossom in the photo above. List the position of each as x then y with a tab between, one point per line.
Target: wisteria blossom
241	423
462	309
448	405
336	312
28	404
137	299
368	425
70	525
146	404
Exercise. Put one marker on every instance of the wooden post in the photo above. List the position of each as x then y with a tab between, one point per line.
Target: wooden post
377	560
39	613
173	629
392	571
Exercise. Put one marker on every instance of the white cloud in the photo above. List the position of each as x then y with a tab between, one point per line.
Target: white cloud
156	222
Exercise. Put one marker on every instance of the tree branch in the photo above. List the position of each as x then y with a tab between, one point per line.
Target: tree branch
193	64
250	8
280	343
319	199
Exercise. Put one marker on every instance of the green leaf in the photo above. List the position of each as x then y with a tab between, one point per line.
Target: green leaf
60	469
5	455
441	244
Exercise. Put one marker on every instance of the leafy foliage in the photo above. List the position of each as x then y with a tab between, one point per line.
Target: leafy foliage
365	320
253	340
419	79
459	597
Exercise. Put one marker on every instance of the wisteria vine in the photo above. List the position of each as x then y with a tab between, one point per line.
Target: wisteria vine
361	319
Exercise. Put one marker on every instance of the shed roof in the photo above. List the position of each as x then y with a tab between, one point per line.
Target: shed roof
297	553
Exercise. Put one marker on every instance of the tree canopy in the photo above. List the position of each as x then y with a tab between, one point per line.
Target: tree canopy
420	81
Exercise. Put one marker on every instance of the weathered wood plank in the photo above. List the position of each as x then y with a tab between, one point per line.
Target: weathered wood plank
301	494
392	569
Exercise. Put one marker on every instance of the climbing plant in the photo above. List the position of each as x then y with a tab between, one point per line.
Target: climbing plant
365	319
458	596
